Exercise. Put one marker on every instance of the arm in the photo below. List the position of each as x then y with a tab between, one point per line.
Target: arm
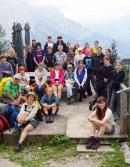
52	76
75	77
32	113
16	68
61	77
85	78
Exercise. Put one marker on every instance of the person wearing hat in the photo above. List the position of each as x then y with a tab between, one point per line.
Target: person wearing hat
12	92
24	81
78	57
57	80
26	118
69	82
6	69
60	42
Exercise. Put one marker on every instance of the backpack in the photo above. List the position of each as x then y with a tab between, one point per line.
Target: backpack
4	125
12	114
2	85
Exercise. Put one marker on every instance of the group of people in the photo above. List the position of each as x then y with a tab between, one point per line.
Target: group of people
78	69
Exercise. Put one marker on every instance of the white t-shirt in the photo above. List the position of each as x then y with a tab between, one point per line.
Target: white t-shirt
108	117
24	78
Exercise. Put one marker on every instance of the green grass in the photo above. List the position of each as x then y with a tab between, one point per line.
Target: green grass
39	155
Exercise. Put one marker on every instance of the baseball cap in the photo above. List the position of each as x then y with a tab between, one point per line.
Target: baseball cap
16	76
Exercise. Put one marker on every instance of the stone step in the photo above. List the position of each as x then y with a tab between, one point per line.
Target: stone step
81	148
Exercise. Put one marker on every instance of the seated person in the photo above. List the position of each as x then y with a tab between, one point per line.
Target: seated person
80	76
26	118
69	82
12	92
6	69
57	80
49	102
40	78
102	120
24	81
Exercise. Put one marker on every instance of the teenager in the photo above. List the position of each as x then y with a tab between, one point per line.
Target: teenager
78	57
49	43
102	121
57	80
26	118
38	55
30	60
60	42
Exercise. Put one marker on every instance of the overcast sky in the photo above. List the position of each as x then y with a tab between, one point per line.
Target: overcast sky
85	9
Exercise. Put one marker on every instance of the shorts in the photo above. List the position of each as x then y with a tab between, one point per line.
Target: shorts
112	131
33	122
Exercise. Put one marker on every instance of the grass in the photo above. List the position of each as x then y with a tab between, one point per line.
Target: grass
39	155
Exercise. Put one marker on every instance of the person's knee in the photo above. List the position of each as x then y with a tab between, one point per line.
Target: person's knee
27	88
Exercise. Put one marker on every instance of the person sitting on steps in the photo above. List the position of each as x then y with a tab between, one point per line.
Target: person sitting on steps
102	120
49	102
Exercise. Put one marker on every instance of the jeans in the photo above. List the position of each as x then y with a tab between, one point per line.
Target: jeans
40	91
69	90
111	98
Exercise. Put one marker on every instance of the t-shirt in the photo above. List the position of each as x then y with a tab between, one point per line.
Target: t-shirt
60	57
24	78
39	56
13	61
13	89
108	117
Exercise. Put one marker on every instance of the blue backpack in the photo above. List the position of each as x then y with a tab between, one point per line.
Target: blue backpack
12	114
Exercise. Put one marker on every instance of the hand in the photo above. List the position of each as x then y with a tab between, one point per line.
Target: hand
105	80
7	72
16	102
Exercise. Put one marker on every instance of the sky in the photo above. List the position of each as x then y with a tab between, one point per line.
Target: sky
88	9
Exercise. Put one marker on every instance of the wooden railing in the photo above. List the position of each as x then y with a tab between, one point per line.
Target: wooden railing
123	107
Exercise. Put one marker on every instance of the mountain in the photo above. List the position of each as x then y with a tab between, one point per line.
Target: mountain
46	21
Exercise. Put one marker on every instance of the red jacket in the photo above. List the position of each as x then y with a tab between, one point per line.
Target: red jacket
61	76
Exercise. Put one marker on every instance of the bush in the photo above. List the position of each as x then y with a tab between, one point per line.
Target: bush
59	139
126	79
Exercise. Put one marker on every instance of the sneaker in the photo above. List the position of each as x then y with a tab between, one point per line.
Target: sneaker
17	147
96	144
90	142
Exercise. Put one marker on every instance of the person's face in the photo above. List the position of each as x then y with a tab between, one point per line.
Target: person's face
40	67
89	53
81	65
70	69
49	40
70	50
86	45
106	62
119	67
11	53
30	99
99	50
49	50
3	59
59	40
22	71
50	92
107	53
34	43
30	50
101	105
16	81
80	51
95	43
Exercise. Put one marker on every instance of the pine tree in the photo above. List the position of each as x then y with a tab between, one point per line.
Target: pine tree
114	55
3	42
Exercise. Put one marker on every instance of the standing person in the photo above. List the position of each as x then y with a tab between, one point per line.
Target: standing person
117	78
102	120
49	59
76	46
80	76
49	102
40	80
96	64
57	80
30	60
78	57
13	60
105	73
34	45
24	80
60	42
87	63
26	118
60	56
96	45
49	43
86	47
69	82
38	55
108	54
6	69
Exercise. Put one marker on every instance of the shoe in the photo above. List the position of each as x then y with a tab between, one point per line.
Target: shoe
47	118
51	120
69	101
84	96
90	142
17	147
96	144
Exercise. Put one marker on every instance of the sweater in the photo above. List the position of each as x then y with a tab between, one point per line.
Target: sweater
80	77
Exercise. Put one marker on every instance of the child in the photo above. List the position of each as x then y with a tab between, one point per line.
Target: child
69	82
102	120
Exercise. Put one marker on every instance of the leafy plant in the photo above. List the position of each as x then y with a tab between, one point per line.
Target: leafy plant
59	139
126	79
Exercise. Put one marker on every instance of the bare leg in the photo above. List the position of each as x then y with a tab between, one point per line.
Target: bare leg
59	91
55	90
104	128
54	109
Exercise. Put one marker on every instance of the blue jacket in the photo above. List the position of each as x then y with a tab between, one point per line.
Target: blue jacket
53	99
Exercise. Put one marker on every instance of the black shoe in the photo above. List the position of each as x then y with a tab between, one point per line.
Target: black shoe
68	101
96	144
51	120
47	118
85	96
90	142
17	147
80	99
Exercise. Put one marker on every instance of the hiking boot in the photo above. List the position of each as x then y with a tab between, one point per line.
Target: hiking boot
17	147
96	144
90	142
